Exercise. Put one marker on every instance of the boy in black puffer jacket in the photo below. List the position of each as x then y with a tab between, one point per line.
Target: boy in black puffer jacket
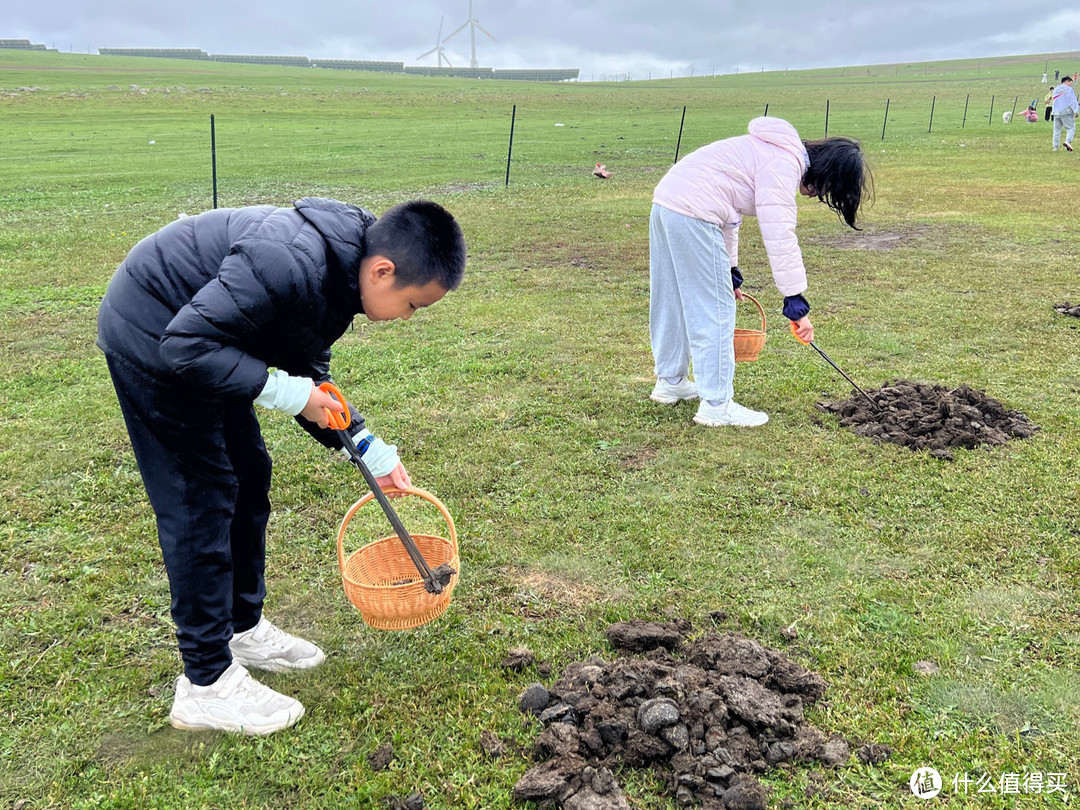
206	318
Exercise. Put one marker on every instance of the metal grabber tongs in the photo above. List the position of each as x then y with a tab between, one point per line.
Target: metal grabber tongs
828	360
339	422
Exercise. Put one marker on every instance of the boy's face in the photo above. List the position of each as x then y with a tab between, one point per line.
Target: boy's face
384	300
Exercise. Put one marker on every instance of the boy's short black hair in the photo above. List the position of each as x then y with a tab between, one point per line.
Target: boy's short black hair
1066	78
838	175
424	242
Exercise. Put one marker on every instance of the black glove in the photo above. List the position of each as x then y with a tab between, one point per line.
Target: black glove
736	278
795	307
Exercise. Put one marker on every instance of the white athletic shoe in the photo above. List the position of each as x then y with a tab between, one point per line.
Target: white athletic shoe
667	394
728	413
267	647
234	702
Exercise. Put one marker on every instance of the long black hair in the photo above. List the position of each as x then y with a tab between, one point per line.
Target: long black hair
838	175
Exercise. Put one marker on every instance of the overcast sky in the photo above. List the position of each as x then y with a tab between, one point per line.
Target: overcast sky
603	37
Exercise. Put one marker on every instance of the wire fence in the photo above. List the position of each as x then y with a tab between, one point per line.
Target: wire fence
242	153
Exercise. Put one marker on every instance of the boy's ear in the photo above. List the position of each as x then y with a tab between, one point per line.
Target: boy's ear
380	268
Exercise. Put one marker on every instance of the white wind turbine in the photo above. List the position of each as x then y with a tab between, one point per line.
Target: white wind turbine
438	49
473	24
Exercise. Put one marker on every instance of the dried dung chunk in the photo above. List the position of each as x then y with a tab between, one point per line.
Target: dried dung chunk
638	636
1068	309
709	719
491	744
873	753
381	757
518	659
931	417
414	801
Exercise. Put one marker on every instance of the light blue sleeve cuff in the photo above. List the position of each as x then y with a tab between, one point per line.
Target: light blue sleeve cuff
285	393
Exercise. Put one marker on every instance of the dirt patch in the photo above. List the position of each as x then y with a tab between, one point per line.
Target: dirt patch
541	593
708	715
1068	309
930	417
869	239
638	459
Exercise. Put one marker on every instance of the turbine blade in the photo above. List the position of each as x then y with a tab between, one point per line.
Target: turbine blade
456	30
478	25
427	53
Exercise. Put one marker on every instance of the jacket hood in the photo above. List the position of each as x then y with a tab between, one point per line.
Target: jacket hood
342	226
780	133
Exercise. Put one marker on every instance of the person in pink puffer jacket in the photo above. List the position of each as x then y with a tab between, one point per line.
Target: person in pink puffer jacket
694	251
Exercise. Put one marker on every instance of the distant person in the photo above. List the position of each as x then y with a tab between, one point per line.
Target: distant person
1057	73
1064	111
1048	100
207	318
694	277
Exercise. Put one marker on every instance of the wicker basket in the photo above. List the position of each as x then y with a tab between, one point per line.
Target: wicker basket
750	342
369	574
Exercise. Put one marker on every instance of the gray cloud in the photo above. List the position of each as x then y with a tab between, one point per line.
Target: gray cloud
605	37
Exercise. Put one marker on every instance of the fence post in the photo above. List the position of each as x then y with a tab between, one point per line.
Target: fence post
1012	115
966	100
510	149
886	121
933	101
990	117
679	142
826	118
766	113
213	156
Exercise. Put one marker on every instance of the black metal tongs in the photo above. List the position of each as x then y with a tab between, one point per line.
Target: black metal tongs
433	583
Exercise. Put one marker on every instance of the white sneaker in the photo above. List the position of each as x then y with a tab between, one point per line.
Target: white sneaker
728	413
265	646
234	702
667	394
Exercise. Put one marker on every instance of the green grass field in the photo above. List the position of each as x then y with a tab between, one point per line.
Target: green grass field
521	400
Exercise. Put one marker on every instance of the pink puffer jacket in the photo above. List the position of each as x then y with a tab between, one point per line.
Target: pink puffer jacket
749	175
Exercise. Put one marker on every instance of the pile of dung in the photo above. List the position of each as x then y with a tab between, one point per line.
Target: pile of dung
1068	309
930	417
708	714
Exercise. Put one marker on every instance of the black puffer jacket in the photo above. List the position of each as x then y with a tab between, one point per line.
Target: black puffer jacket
208	303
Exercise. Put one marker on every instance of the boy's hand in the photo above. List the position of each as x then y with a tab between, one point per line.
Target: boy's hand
397	477
804	329
739	295
317	401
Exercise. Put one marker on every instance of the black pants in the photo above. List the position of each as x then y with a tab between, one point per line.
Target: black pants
205	467
1047	116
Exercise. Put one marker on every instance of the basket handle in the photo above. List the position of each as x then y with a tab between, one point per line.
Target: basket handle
760	308
391	491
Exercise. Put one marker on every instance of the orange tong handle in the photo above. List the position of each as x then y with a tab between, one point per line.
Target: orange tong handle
338	421
796	334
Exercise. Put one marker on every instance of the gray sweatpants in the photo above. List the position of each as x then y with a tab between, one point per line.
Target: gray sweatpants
1068	121
691	303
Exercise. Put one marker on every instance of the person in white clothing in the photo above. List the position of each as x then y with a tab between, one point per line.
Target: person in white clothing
1064	111
694	251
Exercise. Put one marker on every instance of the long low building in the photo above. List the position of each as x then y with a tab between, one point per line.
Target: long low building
160	53
282	61
24	45
359	64
521	74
